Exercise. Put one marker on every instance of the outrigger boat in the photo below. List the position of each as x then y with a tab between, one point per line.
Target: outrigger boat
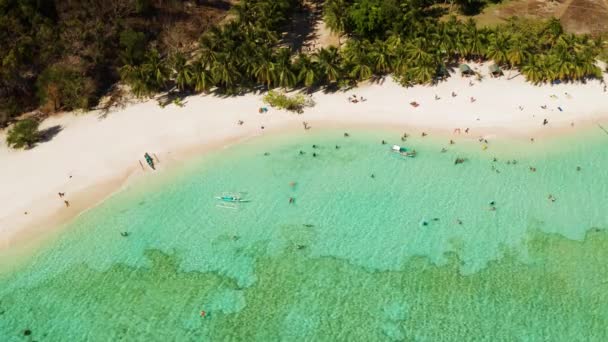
230	200
403	151
149	160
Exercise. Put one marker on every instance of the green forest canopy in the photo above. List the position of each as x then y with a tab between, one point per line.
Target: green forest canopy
69	55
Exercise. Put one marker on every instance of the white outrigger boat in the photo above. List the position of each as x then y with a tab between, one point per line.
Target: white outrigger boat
403	151
230	199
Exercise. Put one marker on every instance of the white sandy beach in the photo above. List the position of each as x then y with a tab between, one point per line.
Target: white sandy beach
92	157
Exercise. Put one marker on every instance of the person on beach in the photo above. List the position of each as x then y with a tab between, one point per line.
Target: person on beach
305	124
346	135
61	194
424	134
240	122
437	97
452	142
466	130
545	121
67	203
473	99
291	200
454	94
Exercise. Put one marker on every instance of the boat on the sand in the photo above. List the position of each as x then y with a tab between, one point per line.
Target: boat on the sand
149	160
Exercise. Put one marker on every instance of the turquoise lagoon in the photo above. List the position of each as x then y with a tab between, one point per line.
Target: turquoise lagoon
415	253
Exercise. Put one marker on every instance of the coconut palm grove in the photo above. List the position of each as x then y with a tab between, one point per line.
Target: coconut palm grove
47	63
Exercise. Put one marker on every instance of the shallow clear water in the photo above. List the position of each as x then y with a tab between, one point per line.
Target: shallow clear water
354	258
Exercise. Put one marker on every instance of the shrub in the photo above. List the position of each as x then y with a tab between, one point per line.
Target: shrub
295	103
63	87
23	134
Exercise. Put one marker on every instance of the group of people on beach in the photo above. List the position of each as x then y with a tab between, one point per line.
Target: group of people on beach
355	99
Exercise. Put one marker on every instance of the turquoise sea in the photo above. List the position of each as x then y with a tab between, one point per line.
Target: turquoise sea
426	250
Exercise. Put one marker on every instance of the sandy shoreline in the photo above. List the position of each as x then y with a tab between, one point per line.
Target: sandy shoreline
91	158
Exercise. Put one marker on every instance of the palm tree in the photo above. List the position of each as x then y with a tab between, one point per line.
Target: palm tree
423	72
307	70
380	57
329	63
156	70
182	71
498	47
201	77
285	77
475	40
356	60
225	74
335	16
417	51
535	69
264	68
397	52
517	50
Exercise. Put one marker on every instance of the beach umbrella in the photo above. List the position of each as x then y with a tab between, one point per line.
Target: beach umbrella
465	70
495	70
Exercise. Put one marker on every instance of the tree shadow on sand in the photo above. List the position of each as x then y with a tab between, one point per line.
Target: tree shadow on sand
48	134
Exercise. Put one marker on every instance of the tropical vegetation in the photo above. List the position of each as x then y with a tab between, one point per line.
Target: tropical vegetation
23	134
414	41
295	103
65	54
